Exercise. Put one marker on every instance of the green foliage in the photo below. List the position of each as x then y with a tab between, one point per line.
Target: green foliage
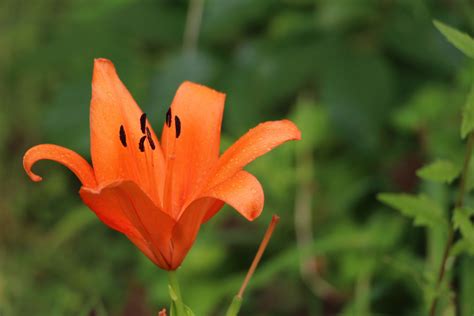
423	210
461	40
312	119
462	221
438	296
439	171
467	125
372	85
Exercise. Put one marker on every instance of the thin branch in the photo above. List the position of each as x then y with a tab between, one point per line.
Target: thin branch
304	235
193	25
459	204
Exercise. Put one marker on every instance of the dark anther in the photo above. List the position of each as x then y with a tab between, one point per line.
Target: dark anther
150	140
141	144
168	117
143	122
177	123
123	137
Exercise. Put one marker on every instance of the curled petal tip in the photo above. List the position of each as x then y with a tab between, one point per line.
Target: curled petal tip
78	165
34	177
28	163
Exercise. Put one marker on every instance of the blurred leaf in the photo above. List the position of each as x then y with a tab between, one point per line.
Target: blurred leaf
313	121
460	247
198	67
69	226
467	286
66	121
292	23
95	308
468	115
226	19
424	107
439	171
423	210
461	40
412	46
345	13
462	221
358	90
449	310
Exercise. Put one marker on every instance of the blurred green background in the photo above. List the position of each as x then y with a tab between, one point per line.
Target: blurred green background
374	87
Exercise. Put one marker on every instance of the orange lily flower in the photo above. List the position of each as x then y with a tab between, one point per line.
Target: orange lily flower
158	195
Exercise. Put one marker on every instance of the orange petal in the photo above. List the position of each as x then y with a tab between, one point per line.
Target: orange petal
252	145
213	209
125	207
72	160
196	149
113	158
185	231
242	191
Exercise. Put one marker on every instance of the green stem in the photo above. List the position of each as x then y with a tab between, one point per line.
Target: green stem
235	306
175	293
459	204
237	300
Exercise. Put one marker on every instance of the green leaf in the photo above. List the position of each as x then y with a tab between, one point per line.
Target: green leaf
439	171
462	246
421	208
187	310
460	40
467	125
462	221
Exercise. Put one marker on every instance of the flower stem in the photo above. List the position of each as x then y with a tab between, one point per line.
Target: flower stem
193	25
234	306
175	293
459	204
237	301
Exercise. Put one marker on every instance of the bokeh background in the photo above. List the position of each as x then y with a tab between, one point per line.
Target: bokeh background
372	84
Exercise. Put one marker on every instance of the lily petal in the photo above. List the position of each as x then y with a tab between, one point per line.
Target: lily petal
116	132
256	142
123	206
242	191
70	159
199	110
185	232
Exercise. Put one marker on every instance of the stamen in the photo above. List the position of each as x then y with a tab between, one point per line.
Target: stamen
143	122
150	140
141	144
123	136
177	123
168	117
